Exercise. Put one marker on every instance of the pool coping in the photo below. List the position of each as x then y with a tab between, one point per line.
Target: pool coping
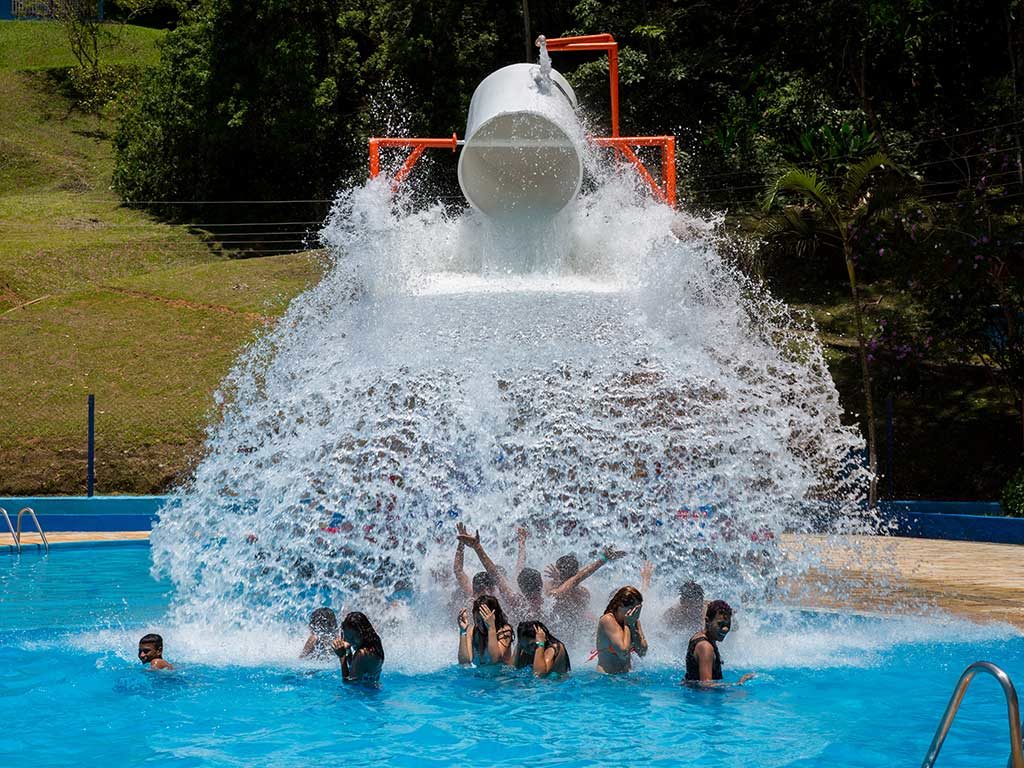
68	540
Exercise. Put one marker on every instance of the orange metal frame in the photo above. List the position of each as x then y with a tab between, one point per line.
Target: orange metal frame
624	146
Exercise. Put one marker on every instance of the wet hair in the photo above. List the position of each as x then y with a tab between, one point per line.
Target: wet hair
624	596
716	607
691	591
482	582
568	566
501	625
369	640
527	632
531	583
152	640
323	621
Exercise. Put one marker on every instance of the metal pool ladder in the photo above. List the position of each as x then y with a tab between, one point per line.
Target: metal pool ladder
16	531
1012	711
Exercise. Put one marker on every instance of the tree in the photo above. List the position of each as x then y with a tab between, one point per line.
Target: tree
84	30
871	188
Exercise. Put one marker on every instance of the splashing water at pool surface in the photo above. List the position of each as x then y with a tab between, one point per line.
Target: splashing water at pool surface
569	365
629	388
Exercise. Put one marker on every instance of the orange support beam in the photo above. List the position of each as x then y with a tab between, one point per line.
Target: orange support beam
624	146
603	42
416	145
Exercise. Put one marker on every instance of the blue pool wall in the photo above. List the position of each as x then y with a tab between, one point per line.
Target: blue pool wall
87	513
955	520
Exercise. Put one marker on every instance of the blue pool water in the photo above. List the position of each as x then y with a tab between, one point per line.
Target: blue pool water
836	691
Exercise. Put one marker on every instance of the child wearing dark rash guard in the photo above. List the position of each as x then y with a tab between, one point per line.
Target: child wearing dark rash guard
619	632
703	661
359	650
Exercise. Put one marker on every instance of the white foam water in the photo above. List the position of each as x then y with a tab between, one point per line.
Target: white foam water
620	383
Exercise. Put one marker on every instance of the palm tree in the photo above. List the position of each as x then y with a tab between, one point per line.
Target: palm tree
871	188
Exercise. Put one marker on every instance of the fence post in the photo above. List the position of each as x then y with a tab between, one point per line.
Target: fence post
890	440
90	472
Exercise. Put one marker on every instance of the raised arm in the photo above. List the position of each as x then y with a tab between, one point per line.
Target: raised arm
460	573
543	655
646	571
465	638
522	535
498	641
639	639
309	647
508	593
609	553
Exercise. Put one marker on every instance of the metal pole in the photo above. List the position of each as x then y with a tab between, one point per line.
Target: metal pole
526	29
890	441
90	472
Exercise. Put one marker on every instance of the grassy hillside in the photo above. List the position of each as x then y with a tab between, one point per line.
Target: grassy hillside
28	45
99	298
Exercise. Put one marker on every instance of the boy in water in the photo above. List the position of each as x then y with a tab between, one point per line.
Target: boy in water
703	662
686	615
323	627
151	652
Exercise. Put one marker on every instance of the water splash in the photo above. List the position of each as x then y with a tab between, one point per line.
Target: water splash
543	65
628	386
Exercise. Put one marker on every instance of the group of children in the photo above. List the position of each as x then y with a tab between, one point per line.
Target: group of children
486	636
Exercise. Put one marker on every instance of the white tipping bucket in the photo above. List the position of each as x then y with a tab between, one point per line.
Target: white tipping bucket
521	154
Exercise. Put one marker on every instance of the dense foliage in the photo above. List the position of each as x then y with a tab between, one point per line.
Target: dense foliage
272	99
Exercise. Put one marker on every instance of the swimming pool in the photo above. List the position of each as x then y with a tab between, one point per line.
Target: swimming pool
832	690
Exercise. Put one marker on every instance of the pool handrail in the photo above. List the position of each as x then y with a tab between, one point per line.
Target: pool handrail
1012	710
39	528
10	527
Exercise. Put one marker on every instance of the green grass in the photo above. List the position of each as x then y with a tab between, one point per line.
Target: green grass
98	298
43	45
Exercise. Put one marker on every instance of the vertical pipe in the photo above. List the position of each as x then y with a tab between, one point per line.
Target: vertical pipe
890	441
668	159
613	76
374	159
90	479
526	29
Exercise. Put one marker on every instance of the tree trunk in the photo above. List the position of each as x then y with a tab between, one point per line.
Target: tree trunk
869	402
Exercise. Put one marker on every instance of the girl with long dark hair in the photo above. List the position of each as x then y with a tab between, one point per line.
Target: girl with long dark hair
537	647
359	650
619	633
487	640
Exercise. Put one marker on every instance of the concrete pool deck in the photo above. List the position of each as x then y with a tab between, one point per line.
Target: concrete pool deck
979	581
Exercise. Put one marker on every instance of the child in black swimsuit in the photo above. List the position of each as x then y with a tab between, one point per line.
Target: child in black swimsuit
703	661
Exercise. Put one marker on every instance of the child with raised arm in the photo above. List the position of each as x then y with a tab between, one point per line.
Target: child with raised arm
518	601
571	599
703	661
487	639
359	650
619	632
151	652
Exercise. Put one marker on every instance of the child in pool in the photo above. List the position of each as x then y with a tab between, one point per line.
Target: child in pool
323	626
488	639
703	662
359	650
538	648
619	632
151	652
